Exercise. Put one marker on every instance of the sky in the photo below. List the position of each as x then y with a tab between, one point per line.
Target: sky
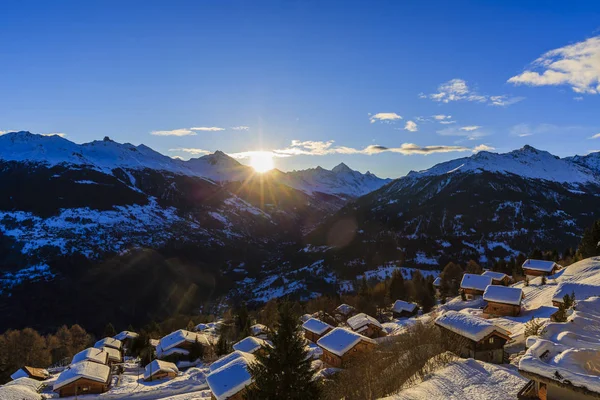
383	86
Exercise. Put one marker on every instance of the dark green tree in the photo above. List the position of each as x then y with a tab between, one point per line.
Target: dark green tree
222	347
396	288
451	277
196	351
589	242
109	330
284	370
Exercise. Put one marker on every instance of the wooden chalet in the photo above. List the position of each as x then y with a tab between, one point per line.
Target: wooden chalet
315	329
109	342
437	284
340	345
479	338
126	337
540	267
366	325
474	285
259	330
39	374
84	377
92	354
159	369
498	278
582	291
176	346
230	380
503	301
114	355
22	389
404	309
343	312
251	345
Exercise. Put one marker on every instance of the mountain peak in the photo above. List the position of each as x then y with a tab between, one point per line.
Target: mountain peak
341	167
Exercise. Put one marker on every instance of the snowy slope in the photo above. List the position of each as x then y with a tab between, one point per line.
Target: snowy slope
219	167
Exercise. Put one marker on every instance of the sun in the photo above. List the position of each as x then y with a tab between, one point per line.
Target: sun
261	161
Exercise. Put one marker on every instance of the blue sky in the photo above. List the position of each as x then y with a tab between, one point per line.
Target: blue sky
315	83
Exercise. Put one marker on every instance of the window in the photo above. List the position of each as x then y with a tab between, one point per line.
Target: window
491	340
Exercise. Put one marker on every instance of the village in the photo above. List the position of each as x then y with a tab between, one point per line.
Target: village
542	332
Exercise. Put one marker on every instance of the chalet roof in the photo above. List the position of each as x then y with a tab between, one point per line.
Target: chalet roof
109	342
503	294
497	276
84	369
340	340
467	325
159	366
26	372
226	359
125	335
178	337
91	354
230	378
437	281
362	320
32	384
475	282
250	344
21	389
540	265
257	329
582	291
114	355
316	326
344	309
400	305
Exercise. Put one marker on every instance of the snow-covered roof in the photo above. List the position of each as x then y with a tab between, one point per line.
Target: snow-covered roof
250	344
305	317
582	291
21	389
361	320
109	342
340	340
172	350
497	276
26	372
257	329
84	369
126	335
91	354
226	359
503	294
158	366
469	326
400	305
437	281
476	282
176	338
316	326
230	378
344	309
32	384
114	355
201	327
540	265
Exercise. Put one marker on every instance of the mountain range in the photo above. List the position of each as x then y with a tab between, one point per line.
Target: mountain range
95	220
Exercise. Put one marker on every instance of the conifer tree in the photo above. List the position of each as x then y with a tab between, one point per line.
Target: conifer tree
284	370
190	326
589	243
109	330
396	289
222	346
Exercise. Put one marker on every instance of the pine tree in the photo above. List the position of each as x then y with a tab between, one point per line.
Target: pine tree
222	346
284	370
589	242
396	288
109	330
544	280
190	326
196	351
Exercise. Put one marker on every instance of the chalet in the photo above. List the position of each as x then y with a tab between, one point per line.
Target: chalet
366	325
229	381
251	345
404	309
39	374
582	291
540	267
474	285
259	330
22	389
177	345
84	377
114	355
126	337
109	342
159	369
479	338
437	284
343	312
315	329
498	278
226	359
340	345
91	354
503	301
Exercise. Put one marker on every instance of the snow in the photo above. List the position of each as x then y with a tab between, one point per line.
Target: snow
476	282
540	265
340	340
503	294
84	369
226	359
114	355
159	365
466	379
250	344
230	378
469	326
497	276
91	354
176	338
582	291
258	329
361	320
21	389
400	305
344	309
437	281
316	326
109	342
126	335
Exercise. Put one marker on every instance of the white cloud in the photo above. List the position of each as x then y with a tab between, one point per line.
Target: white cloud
470	128
174	132
441	117
384	117
240	128
411	126
596	136
207	128
578	98
447	122
524	130
482	147
190	150
458	90
55	134
576	65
